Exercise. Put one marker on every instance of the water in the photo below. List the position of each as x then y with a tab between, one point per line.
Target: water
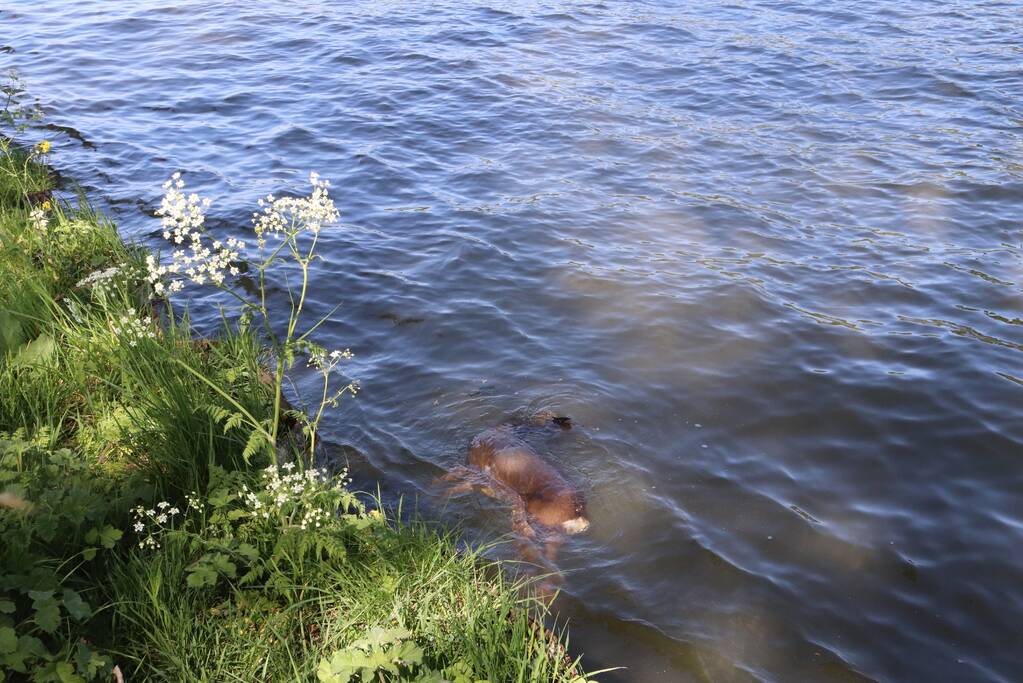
767	256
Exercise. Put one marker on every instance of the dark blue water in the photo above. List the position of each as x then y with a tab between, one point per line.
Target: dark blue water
768	256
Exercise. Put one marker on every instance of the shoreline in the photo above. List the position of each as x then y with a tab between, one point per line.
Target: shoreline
155	534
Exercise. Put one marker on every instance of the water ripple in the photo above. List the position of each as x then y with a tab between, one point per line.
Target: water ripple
768	256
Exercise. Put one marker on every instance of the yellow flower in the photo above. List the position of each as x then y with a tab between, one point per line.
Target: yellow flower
46	206
43	147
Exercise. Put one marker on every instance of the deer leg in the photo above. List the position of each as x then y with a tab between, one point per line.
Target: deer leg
551	548
459	480
520	521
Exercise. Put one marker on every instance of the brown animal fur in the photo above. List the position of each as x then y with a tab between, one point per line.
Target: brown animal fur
543	502
548	497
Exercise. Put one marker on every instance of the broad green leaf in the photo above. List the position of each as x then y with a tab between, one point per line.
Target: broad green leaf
378	637
7	607
76	607
201	575
433	677
461	672
36	352
90	662
339	669
325	673
358	522
13	662
381	660
109	536
221	497
11	335
66	673
248	551
223	564
408	653
8	640
47	614
31	645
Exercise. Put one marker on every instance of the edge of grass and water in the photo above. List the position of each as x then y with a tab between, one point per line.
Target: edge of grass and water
155	522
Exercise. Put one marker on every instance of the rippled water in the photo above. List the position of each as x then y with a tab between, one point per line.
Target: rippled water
766	254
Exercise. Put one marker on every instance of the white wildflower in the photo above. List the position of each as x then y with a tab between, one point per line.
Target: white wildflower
98	276
131	328
290	215
326	362
183	219
193	501
39	220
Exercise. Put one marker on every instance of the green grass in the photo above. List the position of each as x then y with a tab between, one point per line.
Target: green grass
103	415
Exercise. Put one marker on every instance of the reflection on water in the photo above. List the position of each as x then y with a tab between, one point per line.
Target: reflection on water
766	255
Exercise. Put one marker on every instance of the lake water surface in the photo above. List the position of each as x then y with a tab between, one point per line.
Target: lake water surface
767	255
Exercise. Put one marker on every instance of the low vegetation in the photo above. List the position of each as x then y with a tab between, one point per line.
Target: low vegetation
161	515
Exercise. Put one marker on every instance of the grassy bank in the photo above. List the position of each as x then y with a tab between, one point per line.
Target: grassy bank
156	524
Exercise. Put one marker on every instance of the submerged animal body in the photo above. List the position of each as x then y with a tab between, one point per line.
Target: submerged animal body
544	505
544	494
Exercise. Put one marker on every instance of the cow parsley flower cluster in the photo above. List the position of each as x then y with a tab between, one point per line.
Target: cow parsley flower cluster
194	502
98	277
183	217
132	329
313	518
102	284
328	361
198	258
293	497
295	224
155	274
39	220
288	215
150	523
278	490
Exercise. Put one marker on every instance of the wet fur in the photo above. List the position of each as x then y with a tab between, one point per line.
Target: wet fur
544	504
548	497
